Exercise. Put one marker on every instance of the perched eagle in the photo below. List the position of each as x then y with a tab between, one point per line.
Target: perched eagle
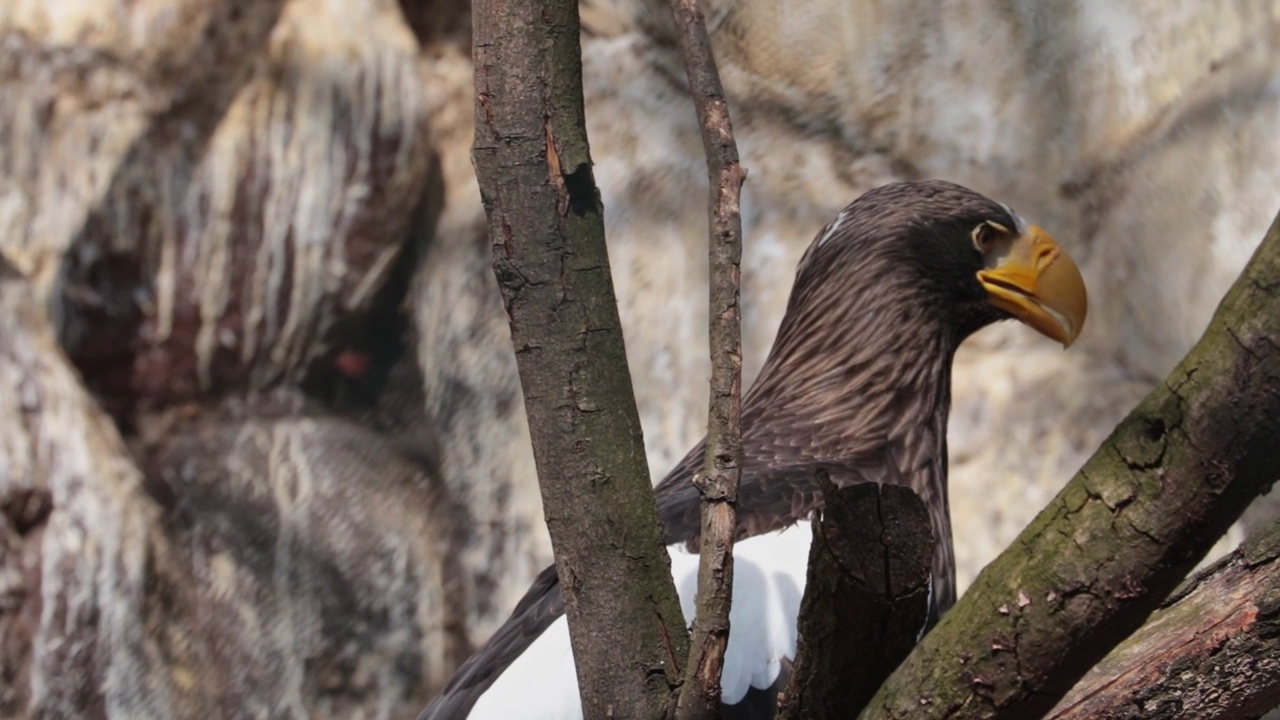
858	382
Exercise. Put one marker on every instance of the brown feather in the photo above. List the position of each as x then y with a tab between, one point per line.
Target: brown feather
858	382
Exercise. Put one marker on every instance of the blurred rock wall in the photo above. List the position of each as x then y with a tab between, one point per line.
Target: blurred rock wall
262	448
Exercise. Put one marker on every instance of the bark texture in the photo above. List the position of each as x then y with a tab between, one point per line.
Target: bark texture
546	225
1211	652
1128	527
866	600
718	483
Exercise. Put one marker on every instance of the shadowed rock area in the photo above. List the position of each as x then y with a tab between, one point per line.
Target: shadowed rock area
262	445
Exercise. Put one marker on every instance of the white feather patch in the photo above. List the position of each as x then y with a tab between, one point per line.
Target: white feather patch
832	229
769	574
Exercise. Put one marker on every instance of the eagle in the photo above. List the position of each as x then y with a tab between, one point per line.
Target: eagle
857	383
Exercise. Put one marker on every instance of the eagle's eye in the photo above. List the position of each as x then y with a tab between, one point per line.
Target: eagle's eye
986	234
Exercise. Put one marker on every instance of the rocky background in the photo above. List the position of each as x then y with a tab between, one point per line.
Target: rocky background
262	448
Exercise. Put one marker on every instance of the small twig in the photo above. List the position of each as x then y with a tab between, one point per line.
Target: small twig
718	483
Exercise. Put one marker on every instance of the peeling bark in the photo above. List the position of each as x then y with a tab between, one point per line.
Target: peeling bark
1113	544
1211	652
547	229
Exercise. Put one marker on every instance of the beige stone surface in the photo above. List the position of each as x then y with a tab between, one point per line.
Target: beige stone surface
200	205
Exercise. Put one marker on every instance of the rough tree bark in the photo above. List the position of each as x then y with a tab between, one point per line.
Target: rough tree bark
547	229
1137	517
866	599
1212	651
718	482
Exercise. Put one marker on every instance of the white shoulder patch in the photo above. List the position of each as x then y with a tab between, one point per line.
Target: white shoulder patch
769	573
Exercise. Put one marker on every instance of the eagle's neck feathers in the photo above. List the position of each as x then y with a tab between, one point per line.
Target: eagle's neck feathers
858	383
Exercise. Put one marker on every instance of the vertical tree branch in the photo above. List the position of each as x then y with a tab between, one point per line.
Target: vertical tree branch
1143	510
547	229
866	600
718	483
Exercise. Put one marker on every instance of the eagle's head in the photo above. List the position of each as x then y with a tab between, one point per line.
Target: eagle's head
938	254
858	379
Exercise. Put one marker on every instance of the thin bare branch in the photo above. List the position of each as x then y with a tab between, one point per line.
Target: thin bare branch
718	483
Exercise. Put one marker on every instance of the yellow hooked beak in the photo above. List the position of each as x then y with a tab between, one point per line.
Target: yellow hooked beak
1038	283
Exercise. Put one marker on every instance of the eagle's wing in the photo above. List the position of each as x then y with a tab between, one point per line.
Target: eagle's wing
770	571
536	611
520	674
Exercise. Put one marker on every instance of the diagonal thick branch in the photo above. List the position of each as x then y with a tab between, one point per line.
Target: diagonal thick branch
547	229
1087	572
718	482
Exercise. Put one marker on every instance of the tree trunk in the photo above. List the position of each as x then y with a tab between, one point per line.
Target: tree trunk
547	229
